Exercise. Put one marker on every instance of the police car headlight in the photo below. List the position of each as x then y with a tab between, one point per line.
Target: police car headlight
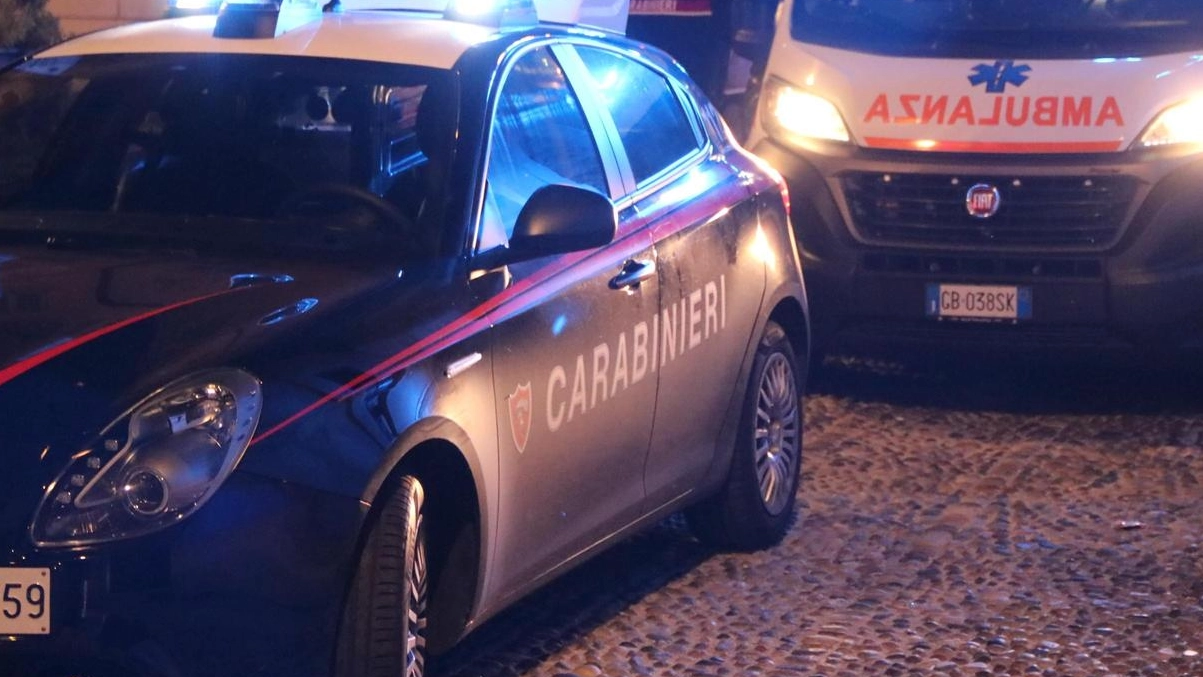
790	113
1181	123
155	465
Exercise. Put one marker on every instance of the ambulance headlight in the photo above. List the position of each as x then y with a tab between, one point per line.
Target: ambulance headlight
1181	123
789	113
155	465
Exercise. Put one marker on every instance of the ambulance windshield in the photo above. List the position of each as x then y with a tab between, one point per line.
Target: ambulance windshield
1031	29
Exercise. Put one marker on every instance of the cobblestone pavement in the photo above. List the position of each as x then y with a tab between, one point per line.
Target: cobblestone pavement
1042	520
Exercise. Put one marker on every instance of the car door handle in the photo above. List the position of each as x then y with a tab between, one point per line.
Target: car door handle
633	273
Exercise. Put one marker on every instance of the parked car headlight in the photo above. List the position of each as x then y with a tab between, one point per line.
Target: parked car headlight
1181	123
792	112
155	465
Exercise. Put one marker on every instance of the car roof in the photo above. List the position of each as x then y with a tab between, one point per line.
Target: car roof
417	38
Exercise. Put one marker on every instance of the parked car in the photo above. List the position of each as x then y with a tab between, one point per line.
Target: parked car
992	174
325	336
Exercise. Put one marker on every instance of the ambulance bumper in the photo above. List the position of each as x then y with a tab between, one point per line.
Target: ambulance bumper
1135	281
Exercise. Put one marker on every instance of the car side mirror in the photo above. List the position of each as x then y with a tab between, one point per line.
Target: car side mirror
752	28
556	220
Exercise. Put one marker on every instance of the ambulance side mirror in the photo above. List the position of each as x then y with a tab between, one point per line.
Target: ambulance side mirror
752	28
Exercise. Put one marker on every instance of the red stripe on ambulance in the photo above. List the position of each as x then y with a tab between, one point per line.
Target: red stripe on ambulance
993	146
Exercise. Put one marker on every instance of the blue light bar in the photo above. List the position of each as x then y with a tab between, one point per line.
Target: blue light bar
192	7
500	13
264	18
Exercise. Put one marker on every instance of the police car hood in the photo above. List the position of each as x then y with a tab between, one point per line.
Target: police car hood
54	303
991	105
85	333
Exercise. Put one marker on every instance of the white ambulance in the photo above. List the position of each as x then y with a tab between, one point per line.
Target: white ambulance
992	172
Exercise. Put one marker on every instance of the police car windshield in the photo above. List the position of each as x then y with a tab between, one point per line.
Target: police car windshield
225	137
1032	29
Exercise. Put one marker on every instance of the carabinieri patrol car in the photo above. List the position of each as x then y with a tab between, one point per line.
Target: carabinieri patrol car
993	173
325	335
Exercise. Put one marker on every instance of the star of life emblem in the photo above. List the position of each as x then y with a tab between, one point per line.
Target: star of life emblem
996	77
521	402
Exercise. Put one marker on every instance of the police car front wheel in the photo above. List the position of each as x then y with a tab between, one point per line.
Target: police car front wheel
384	622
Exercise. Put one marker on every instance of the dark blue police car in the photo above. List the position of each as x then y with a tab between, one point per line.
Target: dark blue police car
325	335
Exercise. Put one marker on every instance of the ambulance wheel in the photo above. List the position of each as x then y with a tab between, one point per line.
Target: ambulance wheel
755	506
383	631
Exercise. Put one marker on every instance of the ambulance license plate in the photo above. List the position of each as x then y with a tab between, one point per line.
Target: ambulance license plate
979	302
24	601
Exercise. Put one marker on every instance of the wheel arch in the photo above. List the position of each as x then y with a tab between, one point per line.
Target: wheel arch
439	454
787	307
790	314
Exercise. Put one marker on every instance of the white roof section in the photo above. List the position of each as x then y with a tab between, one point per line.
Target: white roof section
419	5
388	37
610	15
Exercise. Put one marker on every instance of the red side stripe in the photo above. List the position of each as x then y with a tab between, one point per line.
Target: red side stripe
456	330
993	147
14	370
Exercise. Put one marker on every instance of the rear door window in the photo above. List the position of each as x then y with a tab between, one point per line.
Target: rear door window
656	129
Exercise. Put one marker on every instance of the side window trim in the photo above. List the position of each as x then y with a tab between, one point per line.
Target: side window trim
702	141
610	162
691	111
618	165
637	191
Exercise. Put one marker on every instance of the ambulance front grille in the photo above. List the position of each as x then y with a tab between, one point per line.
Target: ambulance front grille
1069	212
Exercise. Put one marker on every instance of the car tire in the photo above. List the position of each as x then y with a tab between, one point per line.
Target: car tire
755	506
384	631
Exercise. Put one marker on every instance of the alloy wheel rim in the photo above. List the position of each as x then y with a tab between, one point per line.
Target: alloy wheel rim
415	612
777	434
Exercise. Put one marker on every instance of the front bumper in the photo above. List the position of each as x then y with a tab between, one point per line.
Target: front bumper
1142	285
251	584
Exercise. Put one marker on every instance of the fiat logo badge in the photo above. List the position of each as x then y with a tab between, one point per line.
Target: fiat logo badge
983	200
